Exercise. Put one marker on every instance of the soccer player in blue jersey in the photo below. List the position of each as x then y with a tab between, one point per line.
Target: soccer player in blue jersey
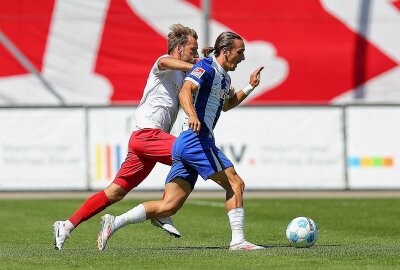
205	93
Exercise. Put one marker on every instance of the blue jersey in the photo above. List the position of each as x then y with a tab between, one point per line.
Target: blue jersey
213	85
193	153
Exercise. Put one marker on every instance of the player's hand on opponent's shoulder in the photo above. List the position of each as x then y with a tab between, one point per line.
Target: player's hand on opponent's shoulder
194	123
255	77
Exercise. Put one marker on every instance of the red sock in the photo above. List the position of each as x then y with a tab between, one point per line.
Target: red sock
92	206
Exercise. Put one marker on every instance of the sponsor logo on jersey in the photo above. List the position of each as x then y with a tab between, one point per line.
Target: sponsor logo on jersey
197	72
221	93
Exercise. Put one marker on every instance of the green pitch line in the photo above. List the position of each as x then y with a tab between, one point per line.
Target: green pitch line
355	233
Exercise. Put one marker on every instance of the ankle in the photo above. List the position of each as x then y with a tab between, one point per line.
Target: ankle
69	227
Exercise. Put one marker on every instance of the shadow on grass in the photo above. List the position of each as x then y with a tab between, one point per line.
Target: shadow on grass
215	247
289	246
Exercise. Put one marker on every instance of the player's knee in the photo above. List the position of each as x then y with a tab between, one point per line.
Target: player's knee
238	185
115	194
116	198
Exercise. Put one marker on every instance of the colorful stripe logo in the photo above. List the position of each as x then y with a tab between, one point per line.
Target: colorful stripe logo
370	162
108	161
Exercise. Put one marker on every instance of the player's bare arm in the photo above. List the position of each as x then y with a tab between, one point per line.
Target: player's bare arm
239	96
185	98
171	63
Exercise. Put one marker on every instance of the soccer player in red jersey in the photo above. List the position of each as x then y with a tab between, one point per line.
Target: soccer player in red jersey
150	142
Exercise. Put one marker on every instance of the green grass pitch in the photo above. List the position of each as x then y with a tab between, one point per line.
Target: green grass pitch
354	233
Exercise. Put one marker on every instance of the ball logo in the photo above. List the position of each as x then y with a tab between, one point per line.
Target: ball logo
311	224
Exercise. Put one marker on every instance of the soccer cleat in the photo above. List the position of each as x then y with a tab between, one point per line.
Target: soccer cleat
245	246
60	234
106	230
167	225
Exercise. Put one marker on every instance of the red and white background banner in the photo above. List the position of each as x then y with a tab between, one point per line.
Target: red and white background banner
100	51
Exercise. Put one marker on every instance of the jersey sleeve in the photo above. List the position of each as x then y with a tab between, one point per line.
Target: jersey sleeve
155	69
200	74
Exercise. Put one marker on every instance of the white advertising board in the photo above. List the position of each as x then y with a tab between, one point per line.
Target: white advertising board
285	147
109	130
271	147
42	149
373	147
296	148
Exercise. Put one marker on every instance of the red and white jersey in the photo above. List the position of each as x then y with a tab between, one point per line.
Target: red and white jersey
159	105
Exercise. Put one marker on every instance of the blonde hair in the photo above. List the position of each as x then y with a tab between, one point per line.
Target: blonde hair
179	36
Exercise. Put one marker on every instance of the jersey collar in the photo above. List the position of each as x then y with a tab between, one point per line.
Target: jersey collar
220	70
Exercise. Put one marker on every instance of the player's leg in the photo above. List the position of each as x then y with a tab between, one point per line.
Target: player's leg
146	148
176	192
156	145
132	172
92	206
143	154
234	187
97	203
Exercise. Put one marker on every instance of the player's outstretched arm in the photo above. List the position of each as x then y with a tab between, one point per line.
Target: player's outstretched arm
185	98
239	96
171	63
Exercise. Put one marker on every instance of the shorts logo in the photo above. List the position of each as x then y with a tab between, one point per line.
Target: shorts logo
197	72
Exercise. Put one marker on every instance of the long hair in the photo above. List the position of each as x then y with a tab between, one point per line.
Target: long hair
179	36
224	40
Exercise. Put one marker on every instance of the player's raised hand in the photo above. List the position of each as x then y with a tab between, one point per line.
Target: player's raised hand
232	91
194	123
255	77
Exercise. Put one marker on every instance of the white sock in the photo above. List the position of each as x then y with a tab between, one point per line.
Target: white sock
69	227
236	219
135	215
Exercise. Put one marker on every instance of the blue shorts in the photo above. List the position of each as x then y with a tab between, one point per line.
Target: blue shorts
193	155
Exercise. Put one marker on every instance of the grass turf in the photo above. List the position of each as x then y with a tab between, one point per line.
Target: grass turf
354	234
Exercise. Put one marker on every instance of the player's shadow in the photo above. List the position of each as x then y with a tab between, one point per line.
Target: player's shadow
208	247
192	248
289	246
225	247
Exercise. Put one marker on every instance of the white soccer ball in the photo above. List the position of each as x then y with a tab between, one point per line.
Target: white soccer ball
302	232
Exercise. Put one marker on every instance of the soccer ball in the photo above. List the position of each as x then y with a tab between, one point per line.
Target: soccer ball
302	232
